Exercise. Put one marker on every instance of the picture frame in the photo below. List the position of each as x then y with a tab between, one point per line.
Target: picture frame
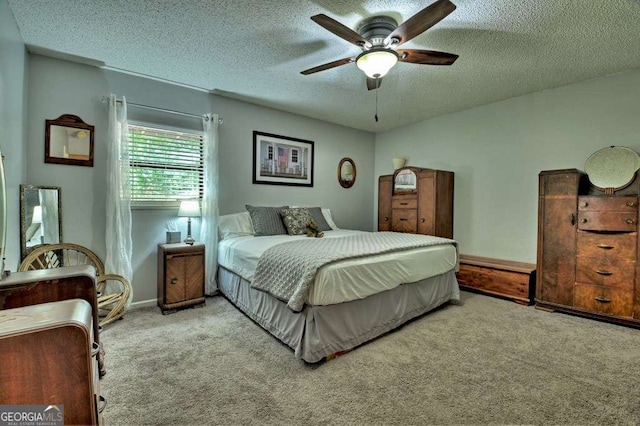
282	160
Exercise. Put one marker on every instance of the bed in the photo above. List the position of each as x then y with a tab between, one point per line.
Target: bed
349	300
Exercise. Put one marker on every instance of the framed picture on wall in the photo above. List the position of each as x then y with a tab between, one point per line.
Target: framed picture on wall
282	160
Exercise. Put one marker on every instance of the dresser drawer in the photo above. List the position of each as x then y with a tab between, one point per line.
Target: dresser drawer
602	203
606	300
404	220
404	203
606	272
614	221
618	246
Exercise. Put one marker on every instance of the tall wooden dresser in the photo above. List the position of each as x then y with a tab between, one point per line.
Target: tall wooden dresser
49	358
417	201
588	248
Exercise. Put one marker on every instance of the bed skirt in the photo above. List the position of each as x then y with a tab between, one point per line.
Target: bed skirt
320	331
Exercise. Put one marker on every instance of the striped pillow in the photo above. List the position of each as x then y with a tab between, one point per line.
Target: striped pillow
267	220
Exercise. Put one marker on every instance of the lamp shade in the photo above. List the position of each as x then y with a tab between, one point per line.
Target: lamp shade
189	208
399	163
377	63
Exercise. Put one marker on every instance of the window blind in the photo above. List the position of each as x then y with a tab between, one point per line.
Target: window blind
166	166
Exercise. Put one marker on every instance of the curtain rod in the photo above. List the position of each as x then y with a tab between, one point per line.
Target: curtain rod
106	99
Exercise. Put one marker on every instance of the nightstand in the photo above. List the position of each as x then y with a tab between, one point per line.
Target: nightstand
180	276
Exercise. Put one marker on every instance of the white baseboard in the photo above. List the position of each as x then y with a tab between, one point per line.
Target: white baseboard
143	304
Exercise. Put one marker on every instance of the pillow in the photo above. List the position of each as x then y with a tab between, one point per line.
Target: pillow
327	215
296	220
318	218
235	225
266	220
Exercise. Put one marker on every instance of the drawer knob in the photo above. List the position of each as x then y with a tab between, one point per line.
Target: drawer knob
404	203
174	281
602	272
403	218
605	246
602	299
386	219
631	204
422	220
630	221
584	204
583	220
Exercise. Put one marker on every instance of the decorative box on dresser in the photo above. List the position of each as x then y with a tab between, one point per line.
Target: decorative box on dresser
49	357
180	276
588	248
417	201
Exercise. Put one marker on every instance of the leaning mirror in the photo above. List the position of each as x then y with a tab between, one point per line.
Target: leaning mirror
68	140
346	172
40	217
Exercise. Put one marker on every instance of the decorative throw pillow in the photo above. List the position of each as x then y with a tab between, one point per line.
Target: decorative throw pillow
296	220
267	220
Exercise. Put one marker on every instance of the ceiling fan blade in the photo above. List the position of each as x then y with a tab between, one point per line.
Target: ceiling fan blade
420	22
329	65
373	83
340	30
427	57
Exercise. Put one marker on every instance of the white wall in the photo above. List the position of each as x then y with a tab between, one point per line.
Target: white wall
59	87
497	151
351	208
13	80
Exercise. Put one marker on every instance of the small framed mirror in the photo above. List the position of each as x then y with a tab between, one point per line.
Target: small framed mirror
68	140
40	217
404	180
346	172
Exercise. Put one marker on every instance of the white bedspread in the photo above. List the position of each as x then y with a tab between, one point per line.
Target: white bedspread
366	276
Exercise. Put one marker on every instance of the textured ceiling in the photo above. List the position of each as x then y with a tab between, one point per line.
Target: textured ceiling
255	50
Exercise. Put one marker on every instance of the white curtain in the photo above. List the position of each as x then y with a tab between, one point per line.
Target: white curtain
209	224
118	236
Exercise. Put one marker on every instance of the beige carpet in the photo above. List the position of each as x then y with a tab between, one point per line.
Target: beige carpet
488	361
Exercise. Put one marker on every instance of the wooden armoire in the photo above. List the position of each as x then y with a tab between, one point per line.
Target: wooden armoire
588	248
416	200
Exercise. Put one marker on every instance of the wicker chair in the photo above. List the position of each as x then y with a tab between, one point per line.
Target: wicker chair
110	305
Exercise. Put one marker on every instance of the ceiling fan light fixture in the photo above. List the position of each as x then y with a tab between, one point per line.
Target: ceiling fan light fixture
376	63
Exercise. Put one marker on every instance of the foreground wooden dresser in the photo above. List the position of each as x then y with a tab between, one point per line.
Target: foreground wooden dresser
588	248
48	357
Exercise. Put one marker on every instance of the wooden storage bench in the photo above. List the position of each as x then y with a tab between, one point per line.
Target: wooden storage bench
504	278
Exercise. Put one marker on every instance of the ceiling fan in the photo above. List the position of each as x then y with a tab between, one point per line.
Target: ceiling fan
379	36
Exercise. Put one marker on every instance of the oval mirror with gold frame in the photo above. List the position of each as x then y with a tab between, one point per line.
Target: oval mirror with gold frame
68	140
346	172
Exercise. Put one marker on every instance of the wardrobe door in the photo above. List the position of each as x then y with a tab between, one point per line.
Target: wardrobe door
384	203
557	219
427	203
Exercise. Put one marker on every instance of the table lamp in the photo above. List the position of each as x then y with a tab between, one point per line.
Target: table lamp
189	208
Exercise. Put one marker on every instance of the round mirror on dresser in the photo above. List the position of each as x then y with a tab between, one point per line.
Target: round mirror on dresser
612	168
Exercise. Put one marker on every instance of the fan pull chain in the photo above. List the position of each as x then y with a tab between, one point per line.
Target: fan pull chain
376	116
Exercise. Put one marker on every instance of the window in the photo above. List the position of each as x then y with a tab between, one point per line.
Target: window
294	155
270	150
166	166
